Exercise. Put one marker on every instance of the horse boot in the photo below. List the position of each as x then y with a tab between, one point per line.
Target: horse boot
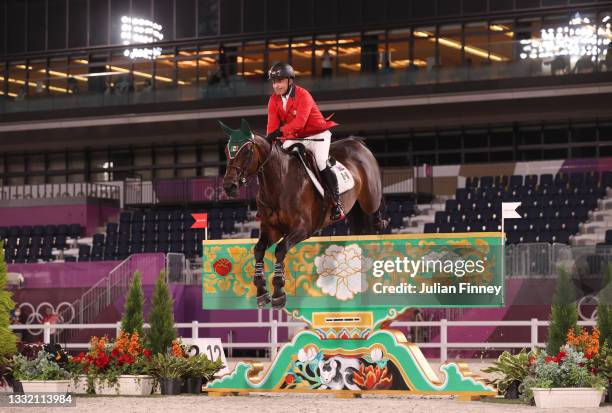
259	279
279	297
337	212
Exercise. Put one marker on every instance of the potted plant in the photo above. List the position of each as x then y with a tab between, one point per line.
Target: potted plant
169	370
79	383
563	380
513	369
120	367
199	370
42	374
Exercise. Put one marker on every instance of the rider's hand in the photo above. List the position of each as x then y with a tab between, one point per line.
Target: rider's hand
274	135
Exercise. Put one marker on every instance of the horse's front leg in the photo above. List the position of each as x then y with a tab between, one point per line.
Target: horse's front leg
259	278
279	297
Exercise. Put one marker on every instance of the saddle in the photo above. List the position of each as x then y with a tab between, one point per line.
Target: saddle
307	159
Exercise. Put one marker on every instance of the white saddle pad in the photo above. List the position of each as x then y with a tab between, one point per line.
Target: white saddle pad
344	176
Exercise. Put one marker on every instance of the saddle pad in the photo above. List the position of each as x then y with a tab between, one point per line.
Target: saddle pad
344	176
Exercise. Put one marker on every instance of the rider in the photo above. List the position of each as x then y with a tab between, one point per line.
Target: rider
294	115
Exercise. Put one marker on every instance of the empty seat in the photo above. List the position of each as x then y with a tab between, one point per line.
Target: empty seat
74	230
60	242
255	233
228	225
392	207
486	182
441	217
396	220
516	180
241	214
576	179
50	230
546	179
125	217
502	181
430	228
112	228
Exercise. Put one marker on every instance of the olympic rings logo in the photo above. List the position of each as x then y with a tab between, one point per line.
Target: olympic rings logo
64	311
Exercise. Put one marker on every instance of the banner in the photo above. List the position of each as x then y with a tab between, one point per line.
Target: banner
407	270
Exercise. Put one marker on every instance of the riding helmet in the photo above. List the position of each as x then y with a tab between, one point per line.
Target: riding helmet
281	71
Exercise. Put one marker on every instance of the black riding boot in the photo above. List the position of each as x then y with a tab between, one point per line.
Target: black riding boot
331	182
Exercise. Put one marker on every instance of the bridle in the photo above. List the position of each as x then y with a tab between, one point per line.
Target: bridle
241	171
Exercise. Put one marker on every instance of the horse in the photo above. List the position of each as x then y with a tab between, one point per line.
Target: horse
288	204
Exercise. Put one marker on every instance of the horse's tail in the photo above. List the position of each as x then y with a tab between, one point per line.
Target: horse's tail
361	223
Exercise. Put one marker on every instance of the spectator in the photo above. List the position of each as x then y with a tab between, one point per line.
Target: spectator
73	85
223	65
326	64
50	317
22	94
148	87
15	319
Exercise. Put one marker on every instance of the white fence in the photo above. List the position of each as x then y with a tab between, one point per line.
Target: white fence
273	325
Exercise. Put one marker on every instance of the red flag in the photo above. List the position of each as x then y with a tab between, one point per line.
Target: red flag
201	221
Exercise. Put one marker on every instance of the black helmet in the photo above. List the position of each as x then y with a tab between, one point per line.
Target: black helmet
281	71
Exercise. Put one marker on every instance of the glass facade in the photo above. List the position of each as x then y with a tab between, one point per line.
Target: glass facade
461	50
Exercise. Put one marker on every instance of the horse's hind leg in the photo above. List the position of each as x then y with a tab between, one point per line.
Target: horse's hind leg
279	297
259	279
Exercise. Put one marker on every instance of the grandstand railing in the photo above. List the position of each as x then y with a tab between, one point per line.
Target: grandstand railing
97	299
210	189
240	87
65	190
273	325
546	260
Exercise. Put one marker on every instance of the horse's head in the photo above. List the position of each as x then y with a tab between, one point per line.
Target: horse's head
240	153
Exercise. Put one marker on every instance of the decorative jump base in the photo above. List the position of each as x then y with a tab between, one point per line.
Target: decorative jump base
348	349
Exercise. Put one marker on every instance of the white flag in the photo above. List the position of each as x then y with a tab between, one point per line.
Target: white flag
509	210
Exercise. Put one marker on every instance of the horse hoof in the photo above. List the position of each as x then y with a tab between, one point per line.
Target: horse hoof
279	302
263	300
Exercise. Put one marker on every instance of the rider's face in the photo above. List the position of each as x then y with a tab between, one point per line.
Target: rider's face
280	86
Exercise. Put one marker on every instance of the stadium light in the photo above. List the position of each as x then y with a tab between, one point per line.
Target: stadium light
579	38
140	31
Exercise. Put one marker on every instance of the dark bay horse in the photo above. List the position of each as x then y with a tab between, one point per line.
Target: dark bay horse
289	206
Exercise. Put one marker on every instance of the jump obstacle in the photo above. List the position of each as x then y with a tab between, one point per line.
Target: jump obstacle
348	347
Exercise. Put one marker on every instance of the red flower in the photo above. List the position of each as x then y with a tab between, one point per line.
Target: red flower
102	361
148	353
222	266
561	355
114	353
588	356
289	379
551	359
373	378
532	360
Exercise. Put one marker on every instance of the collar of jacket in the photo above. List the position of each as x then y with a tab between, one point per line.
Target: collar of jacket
291	92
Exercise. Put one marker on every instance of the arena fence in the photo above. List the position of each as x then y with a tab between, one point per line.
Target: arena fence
273	344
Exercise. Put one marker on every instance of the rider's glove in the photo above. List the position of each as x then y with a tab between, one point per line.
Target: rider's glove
274	135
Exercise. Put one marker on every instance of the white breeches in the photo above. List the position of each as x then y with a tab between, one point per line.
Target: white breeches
320	149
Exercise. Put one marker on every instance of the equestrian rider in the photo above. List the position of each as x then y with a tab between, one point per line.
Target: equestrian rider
293	117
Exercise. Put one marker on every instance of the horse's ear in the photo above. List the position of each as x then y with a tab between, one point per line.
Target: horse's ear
245	128
228	131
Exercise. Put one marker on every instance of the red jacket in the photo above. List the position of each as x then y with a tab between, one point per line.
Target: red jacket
302	117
